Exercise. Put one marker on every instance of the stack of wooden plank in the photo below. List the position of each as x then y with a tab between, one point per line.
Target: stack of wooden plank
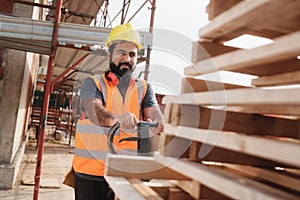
228	141
52	118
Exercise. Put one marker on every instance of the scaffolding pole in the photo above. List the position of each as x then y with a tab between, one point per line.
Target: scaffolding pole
153	7
46	101
53	84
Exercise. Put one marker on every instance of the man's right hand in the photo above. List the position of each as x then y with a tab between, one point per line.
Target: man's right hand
127	120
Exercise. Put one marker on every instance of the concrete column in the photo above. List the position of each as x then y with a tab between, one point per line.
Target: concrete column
16	87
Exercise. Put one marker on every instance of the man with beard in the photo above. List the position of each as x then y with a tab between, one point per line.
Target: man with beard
116	96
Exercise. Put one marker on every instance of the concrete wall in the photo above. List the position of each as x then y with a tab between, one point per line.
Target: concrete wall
11	88
19	70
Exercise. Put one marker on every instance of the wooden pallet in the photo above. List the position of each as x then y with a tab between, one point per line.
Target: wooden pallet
125	174
232	141
259	17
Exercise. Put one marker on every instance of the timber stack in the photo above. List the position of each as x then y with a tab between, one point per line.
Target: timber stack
224	140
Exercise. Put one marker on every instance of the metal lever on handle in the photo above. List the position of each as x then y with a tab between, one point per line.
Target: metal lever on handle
142	137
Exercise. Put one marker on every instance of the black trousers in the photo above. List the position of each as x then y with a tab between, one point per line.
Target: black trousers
92	190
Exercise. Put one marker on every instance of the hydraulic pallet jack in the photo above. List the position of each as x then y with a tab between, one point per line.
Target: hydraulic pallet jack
143	139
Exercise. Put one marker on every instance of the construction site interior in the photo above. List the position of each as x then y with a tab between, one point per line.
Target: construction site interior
221	140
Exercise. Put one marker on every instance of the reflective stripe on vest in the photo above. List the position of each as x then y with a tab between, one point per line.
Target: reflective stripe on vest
91	140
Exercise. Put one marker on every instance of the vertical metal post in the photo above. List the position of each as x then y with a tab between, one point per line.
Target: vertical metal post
153	7
70	120
46	100
123	12
105	13
67	71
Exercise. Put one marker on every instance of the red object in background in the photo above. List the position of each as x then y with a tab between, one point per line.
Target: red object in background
1	72
6	7
1	68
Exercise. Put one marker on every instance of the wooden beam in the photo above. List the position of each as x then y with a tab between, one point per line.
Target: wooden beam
174	146
278	67
161	187
266	109
190	85
255	15
261	147
216	7
175	115
231	185
177	193
204	152
216	119
269	175
238	97
123	188
144	190
293	171
191	187
167	113
283	48
202	50
280	79
138	167
199	191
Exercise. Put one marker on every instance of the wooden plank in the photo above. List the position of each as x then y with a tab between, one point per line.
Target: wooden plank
175	114
262	147
272	68
280	79
231	185
123	188
266	109
177	193
293	171
161	187
202	50
191	187
216	7
237	97
283	48
268	175
200	152
174	146
138	167
199	191
194	150
204	152
144	190
190	85
216	119
167	113
255	15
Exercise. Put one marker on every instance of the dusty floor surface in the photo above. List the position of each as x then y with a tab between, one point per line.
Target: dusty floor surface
56	162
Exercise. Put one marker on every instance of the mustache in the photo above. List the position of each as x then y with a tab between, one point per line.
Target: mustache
125	63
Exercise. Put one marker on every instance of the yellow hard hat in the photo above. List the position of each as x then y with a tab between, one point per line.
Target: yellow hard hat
124	32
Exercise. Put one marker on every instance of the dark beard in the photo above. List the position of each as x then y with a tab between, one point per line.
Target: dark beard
116	69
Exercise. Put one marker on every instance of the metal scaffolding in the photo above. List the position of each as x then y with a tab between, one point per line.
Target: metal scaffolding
55	35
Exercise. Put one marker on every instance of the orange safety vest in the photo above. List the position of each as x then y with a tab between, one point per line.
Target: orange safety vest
91	140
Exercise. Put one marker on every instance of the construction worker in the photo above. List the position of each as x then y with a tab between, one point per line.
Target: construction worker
114	96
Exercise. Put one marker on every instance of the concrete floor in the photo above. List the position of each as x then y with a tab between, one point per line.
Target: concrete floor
56	162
